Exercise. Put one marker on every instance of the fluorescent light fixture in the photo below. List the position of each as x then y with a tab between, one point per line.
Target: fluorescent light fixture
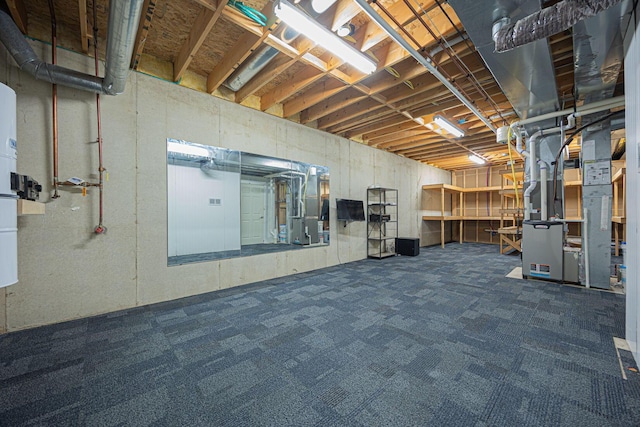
321	5
476	159
188	149
299	21
448	126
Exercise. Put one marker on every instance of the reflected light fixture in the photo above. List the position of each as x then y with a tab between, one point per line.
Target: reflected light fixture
448	126
299	21
476	159
346	30
321	5
188	149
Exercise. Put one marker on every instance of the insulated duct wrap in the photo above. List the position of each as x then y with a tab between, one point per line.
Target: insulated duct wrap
548	21
29	62
124	16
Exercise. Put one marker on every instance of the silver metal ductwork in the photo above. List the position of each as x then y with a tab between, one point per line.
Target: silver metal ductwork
124	16
250	68
525	75
547	22
599	52
257	62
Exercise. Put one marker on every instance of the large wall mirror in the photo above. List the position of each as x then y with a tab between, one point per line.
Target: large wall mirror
224	203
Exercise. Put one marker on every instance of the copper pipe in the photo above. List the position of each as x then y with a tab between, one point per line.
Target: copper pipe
100	228
54	97
84	184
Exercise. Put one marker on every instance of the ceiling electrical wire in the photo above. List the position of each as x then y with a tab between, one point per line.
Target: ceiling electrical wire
426	54
448	49
251	13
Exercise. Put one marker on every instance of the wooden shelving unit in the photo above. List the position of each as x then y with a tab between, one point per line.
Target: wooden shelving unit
511	213
619	208
473	206
456	207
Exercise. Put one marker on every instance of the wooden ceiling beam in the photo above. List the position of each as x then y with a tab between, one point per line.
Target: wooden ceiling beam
426	83
437	147
392	131
314	114
408	69
148	9
372	116
302	80
316	94
416	142
82	16
354	110
429	81
371	35
338	102
375	114
443	154
418	132
18	13
382	127
197	35
428	109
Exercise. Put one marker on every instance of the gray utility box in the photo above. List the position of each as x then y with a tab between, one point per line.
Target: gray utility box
304	231
542	250
572	258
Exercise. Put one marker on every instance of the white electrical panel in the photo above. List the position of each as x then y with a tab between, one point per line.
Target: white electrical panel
8	198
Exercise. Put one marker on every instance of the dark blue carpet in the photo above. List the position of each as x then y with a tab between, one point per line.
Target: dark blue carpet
442	339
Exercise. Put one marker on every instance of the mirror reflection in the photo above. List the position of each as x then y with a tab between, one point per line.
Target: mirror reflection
225	203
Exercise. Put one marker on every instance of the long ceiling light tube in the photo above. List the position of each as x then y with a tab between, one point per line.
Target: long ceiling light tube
422	60
477	159
305	25
448	126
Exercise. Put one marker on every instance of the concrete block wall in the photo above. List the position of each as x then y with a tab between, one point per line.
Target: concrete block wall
67	272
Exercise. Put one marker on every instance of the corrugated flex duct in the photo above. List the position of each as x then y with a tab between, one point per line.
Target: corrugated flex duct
547	22
123	22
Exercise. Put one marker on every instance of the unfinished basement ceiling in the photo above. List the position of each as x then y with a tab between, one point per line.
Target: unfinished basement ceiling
200	43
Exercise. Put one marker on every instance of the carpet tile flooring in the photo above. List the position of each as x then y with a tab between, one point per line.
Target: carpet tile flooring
441	339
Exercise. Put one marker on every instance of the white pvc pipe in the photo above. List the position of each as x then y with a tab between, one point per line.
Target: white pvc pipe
594	107
543	191
531	159
586	249
533	170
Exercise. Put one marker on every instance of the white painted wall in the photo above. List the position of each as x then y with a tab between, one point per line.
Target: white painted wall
66	272
632	95
196	226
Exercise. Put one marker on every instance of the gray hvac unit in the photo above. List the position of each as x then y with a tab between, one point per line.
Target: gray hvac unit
542	250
